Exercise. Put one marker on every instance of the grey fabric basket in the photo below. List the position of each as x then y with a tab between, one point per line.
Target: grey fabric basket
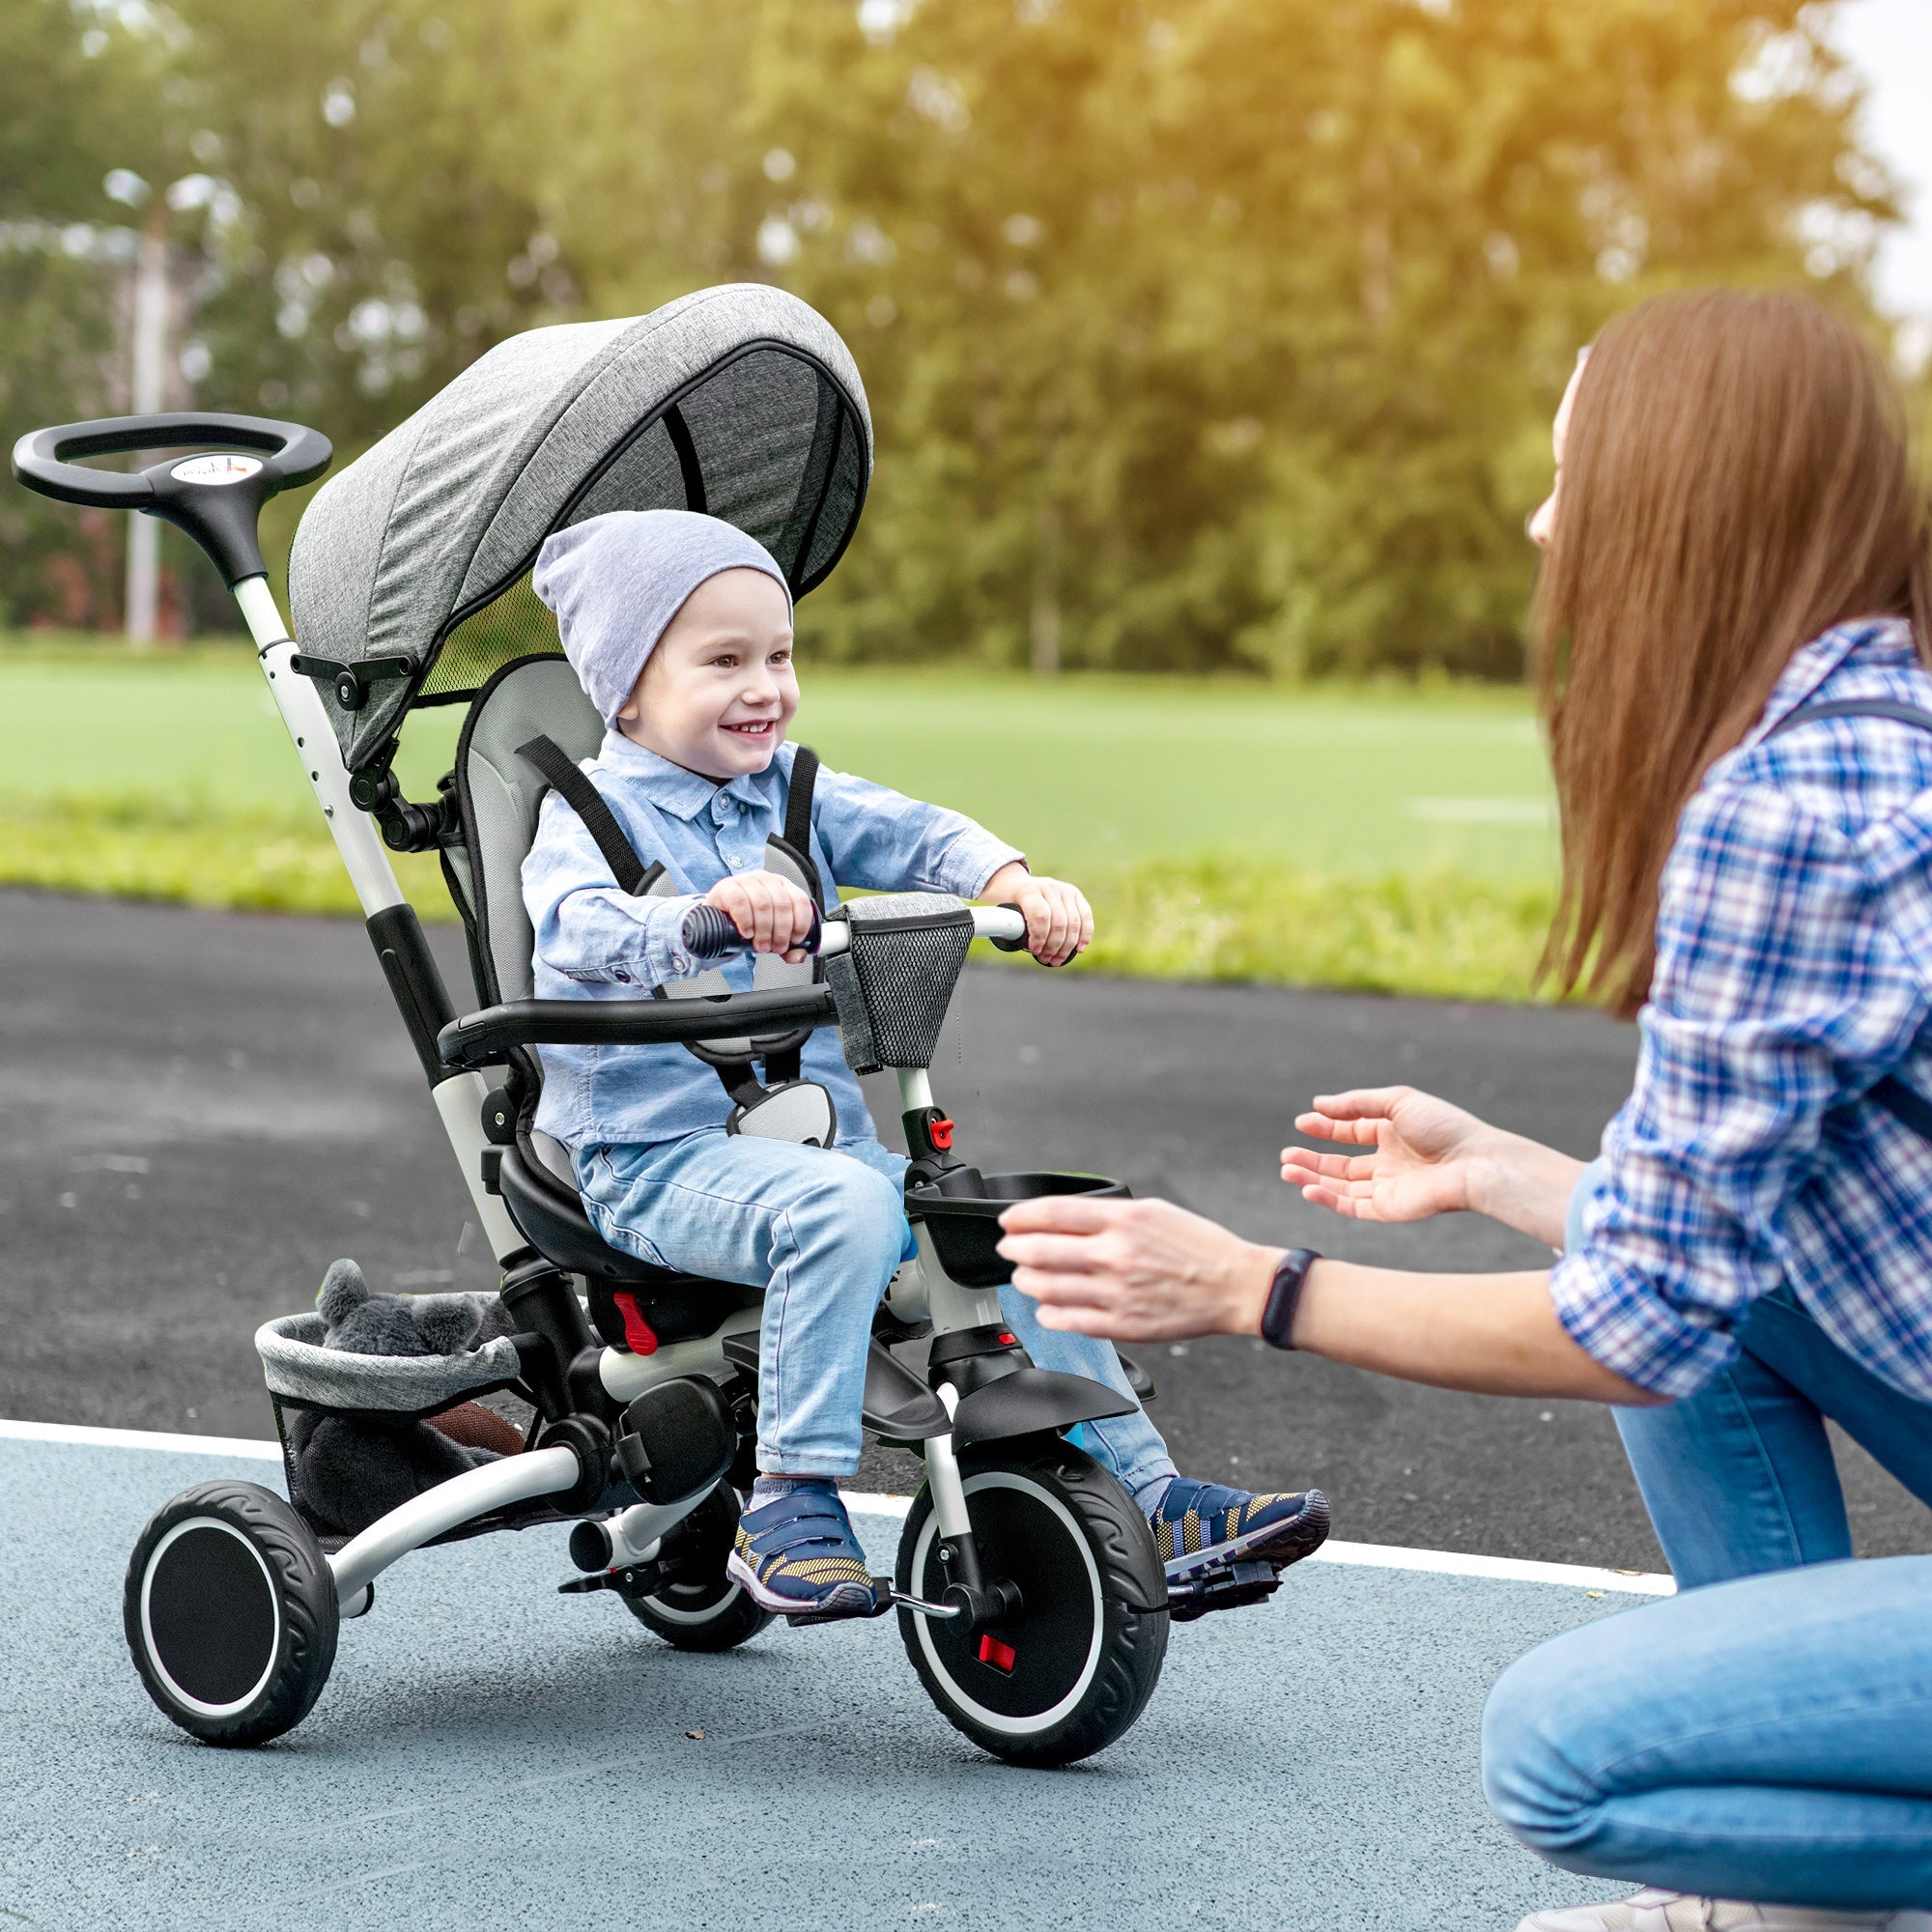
893	984
299	1368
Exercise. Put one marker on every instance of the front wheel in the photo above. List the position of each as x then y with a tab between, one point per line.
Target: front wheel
1069	1674
701	1609
230	1613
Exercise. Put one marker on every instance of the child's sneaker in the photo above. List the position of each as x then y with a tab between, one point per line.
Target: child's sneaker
796	1555
1203	1526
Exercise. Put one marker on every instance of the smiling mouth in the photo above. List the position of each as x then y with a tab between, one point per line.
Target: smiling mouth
753	727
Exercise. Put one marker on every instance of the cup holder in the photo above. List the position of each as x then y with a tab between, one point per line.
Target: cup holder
964	1210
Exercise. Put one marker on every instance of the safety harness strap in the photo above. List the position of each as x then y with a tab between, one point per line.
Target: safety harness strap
736	1074
584	798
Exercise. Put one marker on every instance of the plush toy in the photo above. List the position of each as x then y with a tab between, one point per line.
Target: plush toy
353	1469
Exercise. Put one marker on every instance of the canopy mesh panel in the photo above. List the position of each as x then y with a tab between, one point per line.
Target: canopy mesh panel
517	625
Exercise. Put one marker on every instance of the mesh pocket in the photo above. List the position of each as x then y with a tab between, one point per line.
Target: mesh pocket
894	982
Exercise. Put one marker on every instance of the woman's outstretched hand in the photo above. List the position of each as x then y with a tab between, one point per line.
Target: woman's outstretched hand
1428	1158
1421	1165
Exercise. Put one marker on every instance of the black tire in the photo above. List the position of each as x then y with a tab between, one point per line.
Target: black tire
231	1614
1084	1655
704	1610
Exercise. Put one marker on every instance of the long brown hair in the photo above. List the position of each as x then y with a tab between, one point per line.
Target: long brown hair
1736	480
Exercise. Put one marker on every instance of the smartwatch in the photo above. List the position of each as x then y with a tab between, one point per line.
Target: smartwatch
1285	1296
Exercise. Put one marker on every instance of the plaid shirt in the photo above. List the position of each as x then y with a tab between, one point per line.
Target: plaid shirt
1794	971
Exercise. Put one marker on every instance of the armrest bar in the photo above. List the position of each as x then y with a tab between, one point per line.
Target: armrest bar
477	1039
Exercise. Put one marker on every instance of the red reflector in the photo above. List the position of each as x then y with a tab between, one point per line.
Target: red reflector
1000	1656
941	1132
1008	1341
638	1335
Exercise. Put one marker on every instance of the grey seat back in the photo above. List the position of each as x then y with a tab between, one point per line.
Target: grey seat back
500	795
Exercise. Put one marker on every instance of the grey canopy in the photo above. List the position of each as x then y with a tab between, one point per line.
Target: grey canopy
740	401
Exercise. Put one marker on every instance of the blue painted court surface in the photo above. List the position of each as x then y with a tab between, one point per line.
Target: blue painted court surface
490	1754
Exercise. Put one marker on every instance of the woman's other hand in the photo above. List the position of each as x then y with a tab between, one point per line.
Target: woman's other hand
1060	923
1430	1159
1138	1270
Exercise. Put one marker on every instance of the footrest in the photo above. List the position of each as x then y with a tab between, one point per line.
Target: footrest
1226	1589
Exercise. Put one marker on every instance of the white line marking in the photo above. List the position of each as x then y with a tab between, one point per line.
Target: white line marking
866	1502
1503	1569
140	1439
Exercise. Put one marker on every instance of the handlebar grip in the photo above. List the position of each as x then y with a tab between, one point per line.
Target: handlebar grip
1011	945
216	505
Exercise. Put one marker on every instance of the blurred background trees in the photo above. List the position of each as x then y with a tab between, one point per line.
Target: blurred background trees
1200	334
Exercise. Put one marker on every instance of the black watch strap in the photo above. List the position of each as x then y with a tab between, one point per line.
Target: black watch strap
1285	1296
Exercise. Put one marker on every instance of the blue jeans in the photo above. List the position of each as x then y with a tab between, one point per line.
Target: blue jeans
1768	1733
821	1233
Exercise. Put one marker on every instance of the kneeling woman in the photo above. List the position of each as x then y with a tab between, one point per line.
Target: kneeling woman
1733	618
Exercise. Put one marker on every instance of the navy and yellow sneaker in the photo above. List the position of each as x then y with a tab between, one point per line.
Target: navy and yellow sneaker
796	1555
1202	1527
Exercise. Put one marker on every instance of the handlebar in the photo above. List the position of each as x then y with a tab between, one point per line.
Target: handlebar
215	498
1005	925
478	1039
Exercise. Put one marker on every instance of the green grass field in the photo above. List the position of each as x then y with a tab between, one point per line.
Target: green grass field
1398	838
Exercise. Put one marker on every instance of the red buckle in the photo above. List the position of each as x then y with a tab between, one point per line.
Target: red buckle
939	1133
638	1335
1000	1656
1007	1339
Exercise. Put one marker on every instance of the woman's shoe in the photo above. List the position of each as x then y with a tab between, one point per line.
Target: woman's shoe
796	1555
1655	1910
1203	1526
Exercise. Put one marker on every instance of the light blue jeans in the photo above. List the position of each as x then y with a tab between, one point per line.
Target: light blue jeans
821	1233
1767	1732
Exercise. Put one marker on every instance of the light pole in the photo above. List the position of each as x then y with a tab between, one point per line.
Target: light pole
149	390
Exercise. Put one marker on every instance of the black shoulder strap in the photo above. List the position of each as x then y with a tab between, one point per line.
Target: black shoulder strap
1907	1107
1850	707
587	801
798	800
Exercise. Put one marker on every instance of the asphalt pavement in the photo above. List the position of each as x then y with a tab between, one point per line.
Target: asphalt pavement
490	1753
199	1111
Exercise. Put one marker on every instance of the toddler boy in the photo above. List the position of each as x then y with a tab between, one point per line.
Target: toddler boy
680	628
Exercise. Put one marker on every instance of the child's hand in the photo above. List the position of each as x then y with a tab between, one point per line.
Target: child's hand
1060	923
769	911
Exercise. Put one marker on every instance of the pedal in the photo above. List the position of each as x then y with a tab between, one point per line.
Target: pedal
883	1603
1224	1589
635	1580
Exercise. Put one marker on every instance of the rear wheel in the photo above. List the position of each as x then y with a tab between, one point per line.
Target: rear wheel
230	1613
703	1609
1069	1674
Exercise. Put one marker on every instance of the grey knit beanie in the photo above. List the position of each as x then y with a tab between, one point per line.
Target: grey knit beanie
615	581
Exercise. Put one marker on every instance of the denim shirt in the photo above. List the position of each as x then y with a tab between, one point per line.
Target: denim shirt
1794	971
594	941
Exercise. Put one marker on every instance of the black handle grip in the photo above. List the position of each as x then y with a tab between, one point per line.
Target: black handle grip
217	504
477	1039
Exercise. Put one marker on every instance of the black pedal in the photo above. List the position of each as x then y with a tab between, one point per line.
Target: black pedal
1228	1590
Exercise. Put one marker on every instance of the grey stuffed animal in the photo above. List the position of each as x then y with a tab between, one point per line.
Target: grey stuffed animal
363	1322
351	1469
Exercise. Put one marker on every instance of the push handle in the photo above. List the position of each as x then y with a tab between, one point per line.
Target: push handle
213	495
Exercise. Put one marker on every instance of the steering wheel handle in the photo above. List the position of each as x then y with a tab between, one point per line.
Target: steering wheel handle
215	496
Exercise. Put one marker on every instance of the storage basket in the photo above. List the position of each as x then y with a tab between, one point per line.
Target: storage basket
964	1219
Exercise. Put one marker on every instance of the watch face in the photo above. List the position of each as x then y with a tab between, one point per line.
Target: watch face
224	469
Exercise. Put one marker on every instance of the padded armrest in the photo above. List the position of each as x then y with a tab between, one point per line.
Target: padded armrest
480	1038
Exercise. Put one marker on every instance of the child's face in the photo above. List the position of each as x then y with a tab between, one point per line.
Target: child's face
717	693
